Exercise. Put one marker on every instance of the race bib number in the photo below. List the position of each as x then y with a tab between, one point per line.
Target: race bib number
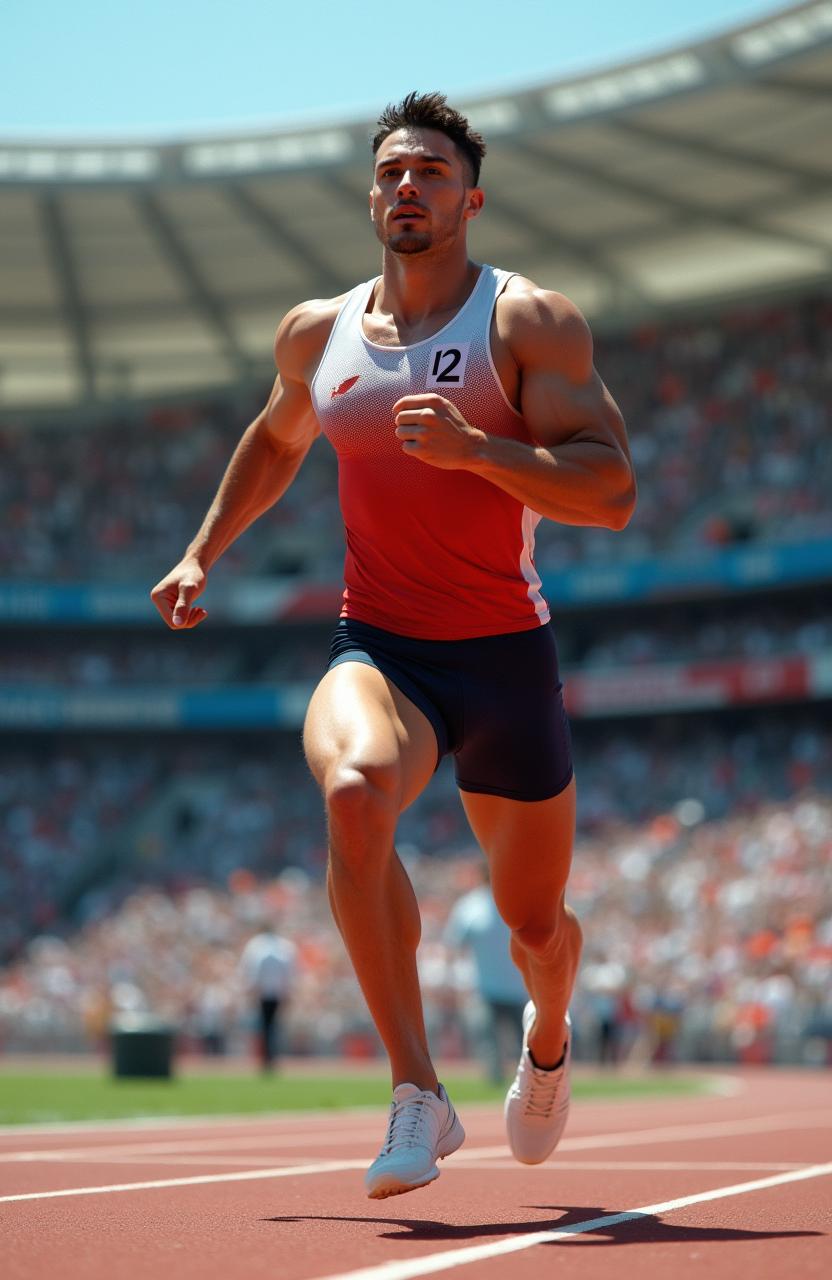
446	367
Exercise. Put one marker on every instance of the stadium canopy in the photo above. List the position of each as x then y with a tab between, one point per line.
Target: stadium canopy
685	179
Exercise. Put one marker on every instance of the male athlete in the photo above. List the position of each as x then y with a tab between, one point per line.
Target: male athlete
463	405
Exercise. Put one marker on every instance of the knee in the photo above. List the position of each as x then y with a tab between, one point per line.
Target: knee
546	936
361	798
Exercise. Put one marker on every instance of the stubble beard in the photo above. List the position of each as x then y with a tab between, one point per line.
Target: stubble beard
412	241
409	242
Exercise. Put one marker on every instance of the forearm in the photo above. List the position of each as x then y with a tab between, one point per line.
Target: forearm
583	482
257	475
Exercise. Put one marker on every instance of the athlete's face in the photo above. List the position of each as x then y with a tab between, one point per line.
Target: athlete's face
421	194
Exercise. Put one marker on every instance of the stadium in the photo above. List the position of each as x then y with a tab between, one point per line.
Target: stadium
155	806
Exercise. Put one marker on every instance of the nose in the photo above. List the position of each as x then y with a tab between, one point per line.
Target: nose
407	185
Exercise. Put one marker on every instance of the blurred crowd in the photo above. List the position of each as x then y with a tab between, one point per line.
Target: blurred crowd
82	824
734	629
704	940
728	419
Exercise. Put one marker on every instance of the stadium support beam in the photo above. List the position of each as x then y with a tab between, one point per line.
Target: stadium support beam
324	281
713	150
543	238
336	182
63	263
177	255
803	88
750	224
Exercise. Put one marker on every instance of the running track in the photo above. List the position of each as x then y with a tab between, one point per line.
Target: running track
724	1186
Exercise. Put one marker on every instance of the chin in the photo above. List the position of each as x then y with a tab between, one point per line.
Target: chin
407	242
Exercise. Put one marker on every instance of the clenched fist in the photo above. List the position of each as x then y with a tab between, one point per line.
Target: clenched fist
433	430
174	595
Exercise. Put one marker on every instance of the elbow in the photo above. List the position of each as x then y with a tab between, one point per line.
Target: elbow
620	509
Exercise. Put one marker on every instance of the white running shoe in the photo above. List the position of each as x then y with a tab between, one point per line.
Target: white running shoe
537	1104
421	1128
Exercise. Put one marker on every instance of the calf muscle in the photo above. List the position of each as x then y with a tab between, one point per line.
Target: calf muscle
372	752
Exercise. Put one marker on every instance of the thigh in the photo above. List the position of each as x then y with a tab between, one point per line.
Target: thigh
358	719
528	845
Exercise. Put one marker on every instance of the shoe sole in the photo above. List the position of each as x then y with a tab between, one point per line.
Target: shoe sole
396	1187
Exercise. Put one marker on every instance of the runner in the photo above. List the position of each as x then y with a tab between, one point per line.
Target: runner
463	405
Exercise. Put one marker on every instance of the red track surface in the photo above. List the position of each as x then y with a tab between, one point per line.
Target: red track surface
289	1214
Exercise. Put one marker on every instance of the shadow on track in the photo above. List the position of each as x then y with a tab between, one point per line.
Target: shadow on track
640	1228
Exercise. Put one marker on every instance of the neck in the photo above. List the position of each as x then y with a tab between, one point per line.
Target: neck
416	286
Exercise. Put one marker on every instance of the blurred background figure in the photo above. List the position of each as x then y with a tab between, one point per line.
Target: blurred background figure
475	926
267	968
605	984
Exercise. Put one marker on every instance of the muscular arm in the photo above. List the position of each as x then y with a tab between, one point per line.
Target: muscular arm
580	470
262	466
270	451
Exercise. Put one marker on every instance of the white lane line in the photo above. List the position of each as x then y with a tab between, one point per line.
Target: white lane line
230	1120
248	1175
246	1142
476	1158
242	1143
204	1162
450	1258
469	1156
706	1129
642	1166
639	1137
312	1120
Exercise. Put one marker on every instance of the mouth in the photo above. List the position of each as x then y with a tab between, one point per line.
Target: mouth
408	214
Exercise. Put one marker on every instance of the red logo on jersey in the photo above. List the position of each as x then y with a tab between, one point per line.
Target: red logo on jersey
345	386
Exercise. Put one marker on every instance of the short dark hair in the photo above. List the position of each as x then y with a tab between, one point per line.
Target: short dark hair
431	111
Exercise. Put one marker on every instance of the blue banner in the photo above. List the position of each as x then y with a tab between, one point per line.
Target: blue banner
700	572
137	708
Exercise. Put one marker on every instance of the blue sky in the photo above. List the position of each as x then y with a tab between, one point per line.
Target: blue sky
164	67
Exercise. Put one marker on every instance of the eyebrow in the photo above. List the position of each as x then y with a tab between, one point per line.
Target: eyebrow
422	159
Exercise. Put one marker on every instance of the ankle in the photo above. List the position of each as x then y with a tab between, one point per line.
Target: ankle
421	1081
544	1066
548	1049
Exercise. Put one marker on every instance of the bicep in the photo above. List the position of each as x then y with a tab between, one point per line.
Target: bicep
288	417
562	396
561	405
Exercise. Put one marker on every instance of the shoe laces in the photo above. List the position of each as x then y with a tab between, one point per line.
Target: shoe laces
406	1120
542	1092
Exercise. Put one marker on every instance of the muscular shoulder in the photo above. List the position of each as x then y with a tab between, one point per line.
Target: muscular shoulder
302	336
543	326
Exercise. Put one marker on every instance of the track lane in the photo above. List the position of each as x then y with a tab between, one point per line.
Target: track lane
313	1225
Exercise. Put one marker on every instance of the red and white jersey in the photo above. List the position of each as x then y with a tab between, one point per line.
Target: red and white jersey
431	553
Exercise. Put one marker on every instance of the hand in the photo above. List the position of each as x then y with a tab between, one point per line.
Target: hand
433	430
175	594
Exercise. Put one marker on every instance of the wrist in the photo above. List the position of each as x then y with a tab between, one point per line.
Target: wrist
198	555
481	454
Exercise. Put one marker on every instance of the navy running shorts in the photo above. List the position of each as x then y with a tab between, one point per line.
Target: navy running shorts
494	701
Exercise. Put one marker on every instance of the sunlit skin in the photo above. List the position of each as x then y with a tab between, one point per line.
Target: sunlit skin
370	749
420	204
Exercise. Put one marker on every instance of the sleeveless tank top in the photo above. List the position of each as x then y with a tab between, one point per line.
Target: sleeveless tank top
431	553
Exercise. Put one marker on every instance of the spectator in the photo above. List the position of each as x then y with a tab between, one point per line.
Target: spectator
475	925
267	968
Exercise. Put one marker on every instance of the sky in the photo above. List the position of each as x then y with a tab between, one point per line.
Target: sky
168	68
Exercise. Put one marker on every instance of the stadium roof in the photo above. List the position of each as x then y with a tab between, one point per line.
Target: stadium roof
695	176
